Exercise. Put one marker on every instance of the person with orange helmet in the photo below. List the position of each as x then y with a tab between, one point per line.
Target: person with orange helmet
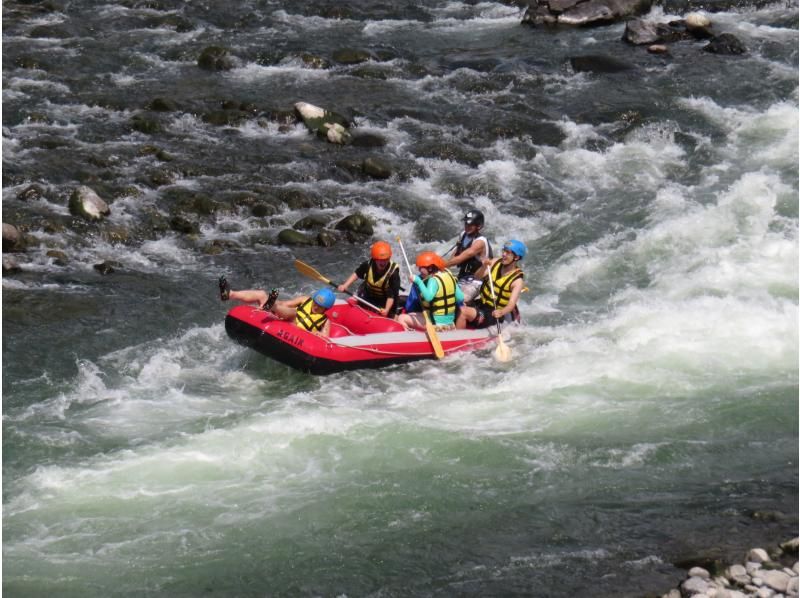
381	276
438	290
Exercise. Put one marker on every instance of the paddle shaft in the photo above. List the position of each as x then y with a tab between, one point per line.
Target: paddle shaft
494	299
304	268
429	327
502	353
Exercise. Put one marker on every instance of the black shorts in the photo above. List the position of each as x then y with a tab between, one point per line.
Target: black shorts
486	319
379	302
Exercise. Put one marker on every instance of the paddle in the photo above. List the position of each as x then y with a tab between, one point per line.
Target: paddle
304	268
502	352
430	329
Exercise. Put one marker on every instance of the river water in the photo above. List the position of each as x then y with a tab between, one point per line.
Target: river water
649	413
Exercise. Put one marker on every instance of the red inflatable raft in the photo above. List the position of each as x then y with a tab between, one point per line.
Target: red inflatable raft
359	339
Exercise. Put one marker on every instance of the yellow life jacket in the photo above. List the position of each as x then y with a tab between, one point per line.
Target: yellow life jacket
379	287
307	320
502	286
444	302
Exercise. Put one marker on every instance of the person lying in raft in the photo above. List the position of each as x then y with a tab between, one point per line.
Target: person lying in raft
438	290
381	276
507	280
308	312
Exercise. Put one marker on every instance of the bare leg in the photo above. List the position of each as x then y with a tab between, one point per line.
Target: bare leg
254	297
465	314
413	320
284	311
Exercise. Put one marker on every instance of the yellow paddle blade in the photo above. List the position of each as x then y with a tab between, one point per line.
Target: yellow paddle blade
502	353
307	270
430	329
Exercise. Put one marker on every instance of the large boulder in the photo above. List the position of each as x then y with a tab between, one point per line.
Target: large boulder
12	238
726	43
329	125
582	12
84	202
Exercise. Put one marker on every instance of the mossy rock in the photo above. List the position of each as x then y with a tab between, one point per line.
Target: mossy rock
145	124
376	168
215	58
312	222
356	223
183	225
31	193
351	56
290	236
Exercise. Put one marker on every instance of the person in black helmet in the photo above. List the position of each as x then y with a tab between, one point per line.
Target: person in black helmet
471	249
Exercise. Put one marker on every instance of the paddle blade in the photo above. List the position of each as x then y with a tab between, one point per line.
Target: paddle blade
502	353
433	336
307	270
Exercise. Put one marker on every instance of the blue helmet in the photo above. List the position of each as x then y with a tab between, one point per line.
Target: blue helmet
324	298
516	247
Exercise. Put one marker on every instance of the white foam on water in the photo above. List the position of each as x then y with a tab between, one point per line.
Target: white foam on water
757	138
254	73
27	83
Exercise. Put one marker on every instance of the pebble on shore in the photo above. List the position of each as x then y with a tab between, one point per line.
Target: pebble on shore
759	577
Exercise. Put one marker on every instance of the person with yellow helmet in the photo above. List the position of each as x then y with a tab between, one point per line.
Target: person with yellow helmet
307	311
381	276
497	300
438	290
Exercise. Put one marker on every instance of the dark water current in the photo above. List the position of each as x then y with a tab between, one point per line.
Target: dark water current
649	414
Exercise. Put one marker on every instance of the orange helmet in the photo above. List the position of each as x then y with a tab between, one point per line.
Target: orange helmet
381	251
426	259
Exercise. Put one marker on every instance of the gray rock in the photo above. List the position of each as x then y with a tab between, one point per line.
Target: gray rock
698	25
792	586
59	257
757	555
699	572
640	32
693	586
31	193
725	43
12	238
216	58
791	545
583	12
777	580
107	267
327	124
84	202
10	265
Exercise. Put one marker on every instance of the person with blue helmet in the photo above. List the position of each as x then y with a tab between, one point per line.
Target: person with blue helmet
497	300
307	311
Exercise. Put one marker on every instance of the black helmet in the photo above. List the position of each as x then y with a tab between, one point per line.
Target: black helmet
474	217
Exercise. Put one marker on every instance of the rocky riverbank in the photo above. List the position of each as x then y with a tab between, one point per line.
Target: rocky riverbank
763	574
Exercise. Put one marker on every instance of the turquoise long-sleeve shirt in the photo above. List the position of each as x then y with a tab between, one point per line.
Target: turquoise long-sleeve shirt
428	289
